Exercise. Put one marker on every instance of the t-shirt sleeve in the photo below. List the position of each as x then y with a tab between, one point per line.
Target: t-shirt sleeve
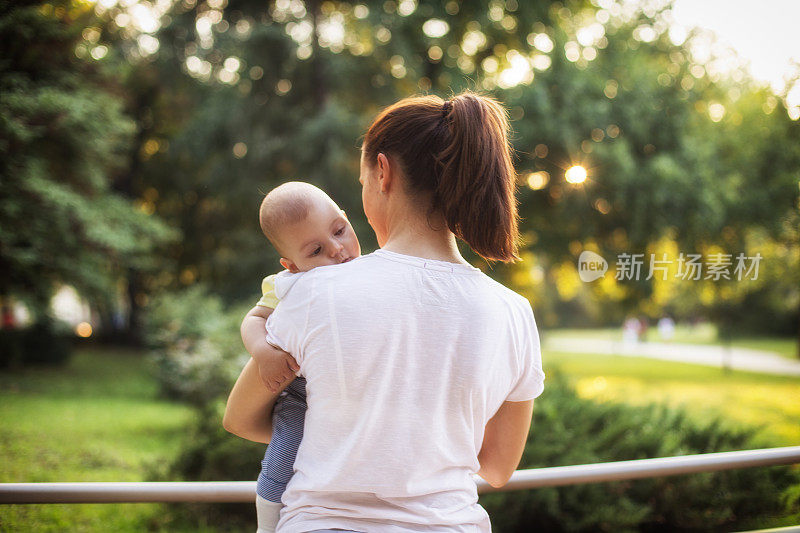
530	381
287	326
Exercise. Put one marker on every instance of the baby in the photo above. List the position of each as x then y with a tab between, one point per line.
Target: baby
308	230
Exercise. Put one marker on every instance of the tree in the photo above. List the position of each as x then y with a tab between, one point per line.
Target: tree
242	95
62	134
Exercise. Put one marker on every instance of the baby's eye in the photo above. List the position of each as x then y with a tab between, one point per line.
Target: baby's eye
316	251
340	231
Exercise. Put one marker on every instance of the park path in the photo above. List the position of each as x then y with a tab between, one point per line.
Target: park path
699	354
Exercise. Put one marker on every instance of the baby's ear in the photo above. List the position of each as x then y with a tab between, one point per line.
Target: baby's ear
288	265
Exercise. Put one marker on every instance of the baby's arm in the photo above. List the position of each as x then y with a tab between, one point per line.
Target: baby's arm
275	366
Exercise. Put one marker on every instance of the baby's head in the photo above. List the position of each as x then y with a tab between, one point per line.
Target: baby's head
306	227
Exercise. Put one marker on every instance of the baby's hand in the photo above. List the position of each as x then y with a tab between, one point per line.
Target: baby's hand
275	367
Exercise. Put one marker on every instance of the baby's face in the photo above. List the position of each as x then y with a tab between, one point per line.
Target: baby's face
325	237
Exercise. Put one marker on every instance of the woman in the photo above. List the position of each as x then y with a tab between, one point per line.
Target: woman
420	369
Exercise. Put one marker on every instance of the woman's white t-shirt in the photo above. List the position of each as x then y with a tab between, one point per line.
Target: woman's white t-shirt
406	359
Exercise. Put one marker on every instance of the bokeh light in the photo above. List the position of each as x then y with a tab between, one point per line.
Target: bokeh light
538	180
84	329
435	28
716	111
239	150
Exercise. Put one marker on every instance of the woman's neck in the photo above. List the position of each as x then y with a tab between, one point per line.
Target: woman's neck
423	236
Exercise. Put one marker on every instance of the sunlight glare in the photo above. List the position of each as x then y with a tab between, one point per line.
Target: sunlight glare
575	174
519	71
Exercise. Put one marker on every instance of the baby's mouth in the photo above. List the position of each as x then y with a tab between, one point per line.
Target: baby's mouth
346	260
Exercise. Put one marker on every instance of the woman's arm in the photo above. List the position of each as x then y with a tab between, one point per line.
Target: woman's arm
248	412
503	442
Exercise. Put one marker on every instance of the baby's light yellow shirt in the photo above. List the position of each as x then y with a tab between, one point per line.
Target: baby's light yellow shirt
268	296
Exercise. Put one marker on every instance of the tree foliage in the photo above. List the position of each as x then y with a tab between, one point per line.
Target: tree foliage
62	135
228	98
279	95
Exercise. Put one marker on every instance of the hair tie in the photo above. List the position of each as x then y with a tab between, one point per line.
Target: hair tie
446	107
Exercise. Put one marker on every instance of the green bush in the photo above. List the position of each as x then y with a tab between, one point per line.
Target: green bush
43	343
197	354
568	430
195	345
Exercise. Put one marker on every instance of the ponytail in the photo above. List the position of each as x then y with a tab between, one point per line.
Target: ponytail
457	152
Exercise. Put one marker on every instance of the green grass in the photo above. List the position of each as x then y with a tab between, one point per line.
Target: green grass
97	419
701	334
769	402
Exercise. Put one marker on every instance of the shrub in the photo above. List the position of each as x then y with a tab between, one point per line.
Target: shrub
43	343
195	345
197	354
569	430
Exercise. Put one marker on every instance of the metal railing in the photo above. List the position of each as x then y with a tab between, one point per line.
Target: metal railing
244	491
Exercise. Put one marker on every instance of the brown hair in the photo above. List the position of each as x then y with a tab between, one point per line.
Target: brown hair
456	151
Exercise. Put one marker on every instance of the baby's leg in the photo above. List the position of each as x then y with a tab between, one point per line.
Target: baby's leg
277	468
268	514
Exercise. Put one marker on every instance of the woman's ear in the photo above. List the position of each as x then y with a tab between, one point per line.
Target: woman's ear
288	265
385	173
